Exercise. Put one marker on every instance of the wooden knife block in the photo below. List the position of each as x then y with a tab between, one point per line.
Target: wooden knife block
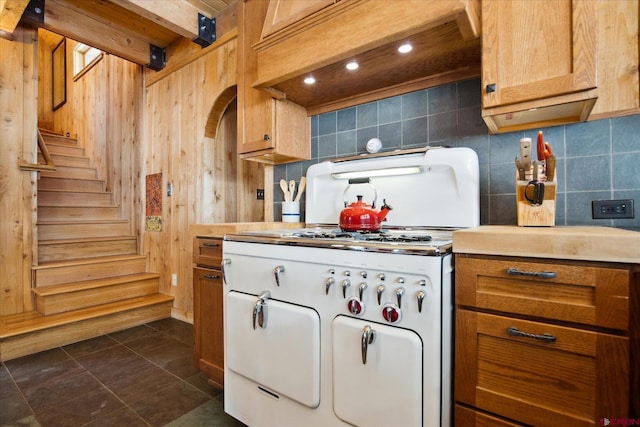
543	215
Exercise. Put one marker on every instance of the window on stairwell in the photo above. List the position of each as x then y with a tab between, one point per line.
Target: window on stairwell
84	57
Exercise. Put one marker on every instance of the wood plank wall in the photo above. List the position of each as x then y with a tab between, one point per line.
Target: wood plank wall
18	109
208	182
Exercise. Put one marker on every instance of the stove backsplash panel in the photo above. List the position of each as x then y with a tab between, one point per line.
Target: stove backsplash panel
596	160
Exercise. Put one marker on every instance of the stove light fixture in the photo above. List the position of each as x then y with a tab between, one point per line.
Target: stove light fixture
408	170
405	48
309	80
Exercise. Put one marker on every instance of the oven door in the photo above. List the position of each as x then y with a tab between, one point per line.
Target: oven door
387	389
283	355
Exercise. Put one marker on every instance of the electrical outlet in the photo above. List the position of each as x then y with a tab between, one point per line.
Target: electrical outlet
174	280
612	209
260	194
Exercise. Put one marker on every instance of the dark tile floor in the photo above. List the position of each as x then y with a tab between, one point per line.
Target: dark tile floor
143	376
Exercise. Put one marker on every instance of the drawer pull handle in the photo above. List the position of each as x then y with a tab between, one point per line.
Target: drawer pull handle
211	276
211	245
541	274
517	333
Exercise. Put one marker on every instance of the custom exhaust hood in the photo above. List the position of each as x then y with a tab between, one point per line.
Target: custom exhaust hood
445	35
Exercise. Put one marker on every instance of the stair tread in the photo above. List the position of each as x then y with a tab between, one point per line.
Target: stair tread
61	168
74	156
73	191
58	143
50	205
16	324
82	221
46	131
92	284
86	261
71	178
85	240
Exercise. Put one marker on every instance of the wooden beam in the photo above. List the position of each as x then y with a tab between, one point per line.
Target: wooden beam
10	13
84	29
179	16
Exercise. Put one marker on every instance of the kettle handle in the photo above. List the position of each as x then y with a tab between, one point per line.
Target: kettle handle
360	181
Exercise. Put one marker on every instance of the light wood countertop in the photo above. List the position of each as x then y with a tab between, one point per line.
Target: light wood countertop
219	230
570	242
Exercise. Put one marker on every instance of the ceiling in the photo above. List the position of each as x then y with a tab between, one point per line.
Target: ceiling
126	28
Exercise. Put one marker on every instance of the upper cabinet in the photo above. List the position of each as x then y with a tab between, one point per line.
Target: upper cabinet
269	130
538	63
618	58
318	38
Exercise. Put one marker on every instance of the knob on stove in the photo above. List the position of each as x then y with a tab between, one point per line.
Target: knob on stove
391	313
355	306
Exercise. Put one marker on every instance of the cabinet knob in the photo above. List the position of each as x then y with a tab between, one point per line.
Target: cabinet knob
491	87
266	137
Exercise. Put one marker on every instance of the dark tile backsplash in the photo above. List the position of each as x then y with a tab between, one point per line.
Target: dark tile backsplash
596	160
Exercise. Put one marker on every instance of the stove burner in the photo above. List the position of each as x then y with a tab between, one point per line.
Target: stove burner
381	236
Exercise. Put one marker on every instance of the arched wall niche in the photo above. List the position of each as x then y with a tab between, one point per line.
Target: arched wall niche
218	109
229	183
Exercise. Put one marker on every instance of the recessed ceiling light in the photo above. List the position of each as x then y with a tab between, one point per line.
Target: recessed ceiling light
353	65
405	48
309	80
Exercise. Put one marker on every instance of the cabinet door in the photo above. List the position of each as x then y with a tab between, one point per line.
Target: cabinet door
270	130
540	374
255	108
536	49
207	323
388	389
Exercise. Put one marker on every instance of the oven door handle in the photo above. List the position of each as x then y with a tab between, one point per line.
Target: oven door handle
368	337
260	310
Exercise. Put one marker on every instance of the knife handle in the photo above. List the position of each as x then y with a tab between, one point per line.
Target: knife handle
525	153
550	164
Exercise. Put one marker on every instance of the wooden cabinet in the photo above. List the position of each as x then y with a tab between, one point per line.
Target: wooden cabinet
207	308
538	63
545	343
269	130
618	58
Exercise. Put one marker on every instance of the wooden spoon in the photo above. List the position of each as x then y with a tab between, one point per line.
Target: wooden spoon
285	190
292	189
303	184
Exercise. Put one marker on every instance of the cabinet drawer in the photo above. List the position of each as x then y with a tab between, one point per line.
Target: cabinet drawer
575	377
572	291
207	251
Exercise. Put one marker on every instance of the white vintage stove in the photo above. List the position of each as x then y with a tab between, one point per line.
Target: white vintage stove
329	328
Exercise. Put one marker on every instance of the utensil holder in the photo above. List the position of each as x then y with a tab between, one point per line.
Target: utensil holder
536	215
290	211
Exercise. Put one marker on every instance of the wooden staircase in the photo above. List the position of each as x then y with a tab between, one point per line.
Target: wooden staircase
90	279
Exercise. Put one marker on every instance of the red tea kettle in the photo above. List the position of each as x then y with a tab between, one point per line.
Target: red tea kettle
360	216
